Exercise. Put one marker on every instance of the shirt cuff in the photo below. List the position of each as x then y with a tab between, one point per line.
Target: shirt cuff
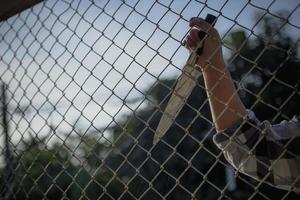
243	132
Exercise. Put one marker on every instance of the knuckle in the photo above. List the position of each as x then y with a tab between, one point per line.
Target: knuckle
197	22
194	30
199	19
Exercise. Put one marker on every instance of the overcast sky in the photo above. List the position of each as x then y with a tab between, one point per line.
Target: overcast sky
65	60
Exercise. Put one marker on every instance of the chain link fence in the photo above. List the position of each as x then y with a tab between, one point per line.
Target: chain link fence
85	83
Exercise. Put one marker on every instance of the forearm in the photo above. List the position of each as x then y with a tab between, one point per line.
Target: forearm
225	104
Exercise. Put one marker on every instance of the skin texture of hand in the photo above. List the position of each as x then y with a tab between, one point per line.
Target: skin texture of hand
225	104
212	51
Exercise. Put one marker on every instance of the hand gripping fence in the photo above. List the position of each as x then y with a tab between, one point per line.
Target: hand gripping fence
87	86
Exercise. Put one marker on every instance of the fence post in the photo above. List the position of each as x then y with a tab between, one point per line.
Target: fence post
8	170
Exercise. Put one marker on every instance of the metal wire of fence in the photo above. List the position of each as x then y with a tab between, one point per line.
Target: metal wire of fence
86	82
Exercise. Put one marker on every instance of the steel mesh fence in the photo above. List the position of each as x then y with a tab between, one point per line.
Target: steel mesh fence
85	84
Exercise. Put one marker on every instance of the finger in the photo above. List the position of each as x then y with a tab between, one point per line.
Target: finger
191	44
195	20
186	44
195	34
200	24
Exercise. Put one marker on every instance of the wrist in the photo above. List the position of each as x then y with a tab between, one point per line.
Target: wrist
217	65
212	58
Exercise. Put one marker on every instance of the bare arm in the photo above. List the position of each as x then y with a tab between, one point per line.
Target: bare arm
225	104
227	110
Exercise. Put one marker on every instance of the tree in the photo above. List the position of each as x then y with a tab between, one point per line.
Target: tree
65	170
268	68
